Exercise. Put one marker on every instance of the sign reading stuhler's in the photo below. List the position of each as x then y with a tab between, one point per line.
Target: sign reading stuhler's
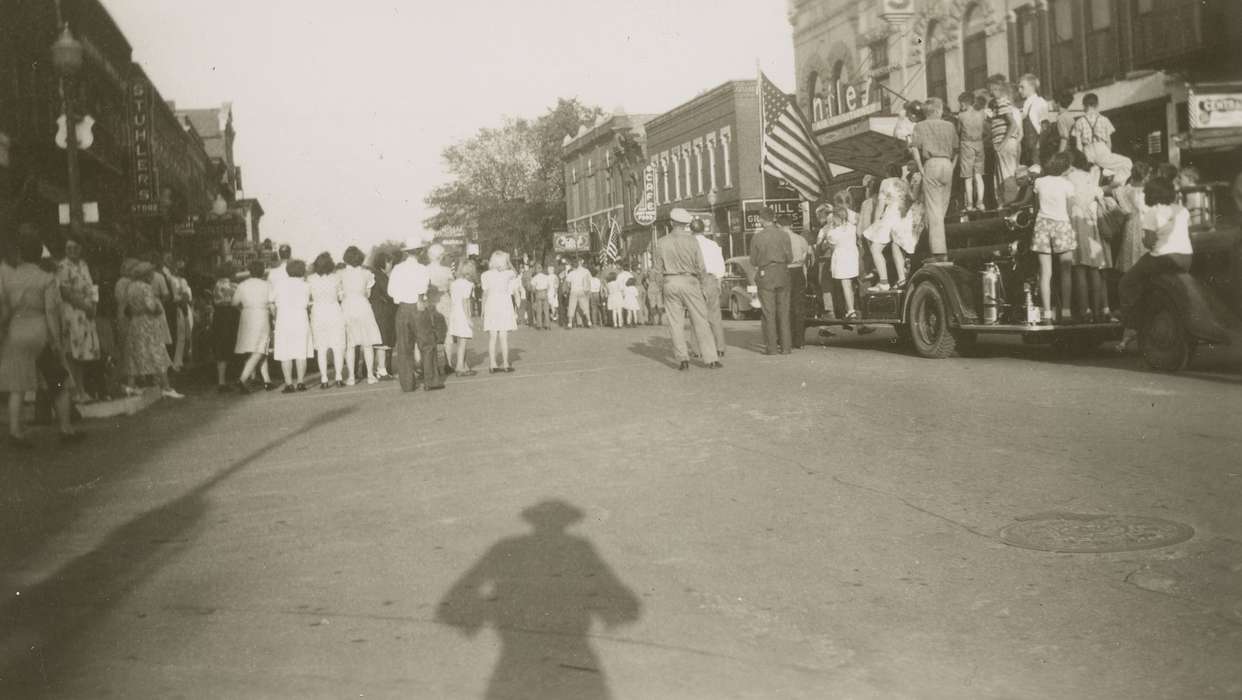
141	114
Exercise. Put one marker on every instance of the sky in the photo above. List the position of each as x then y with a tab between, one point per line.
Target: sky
342	109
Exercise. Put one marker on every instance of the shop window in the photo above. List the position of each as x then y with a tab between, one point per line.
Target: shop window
975	49
1102	53
1067	56
1028	52
937	76
726	138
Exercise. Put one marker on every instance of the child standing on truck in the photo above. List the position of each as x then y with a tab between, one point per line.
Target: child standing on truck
841	240
1166	235
1091	256
970	126
1054	236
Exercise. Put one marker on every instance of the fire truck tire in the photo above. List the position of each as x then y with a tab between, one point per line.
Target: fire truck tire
903	335
735	310
1163	341
930	330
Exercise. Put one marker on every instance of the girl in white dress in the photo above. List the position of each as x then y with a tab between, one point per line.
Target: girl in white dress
361	329
327	320
461	291
254	325
292	345
629	302
498	315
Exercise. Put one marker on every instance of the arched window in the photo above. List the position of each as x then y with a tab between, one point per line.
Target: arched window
975	48
937	78
835	106
814	97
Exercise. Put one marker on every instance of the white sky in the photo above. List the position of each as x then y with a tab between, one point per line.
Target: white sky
342	109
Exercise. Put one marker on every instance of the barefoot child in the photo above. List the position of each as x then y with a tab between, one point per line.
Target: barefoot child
970	126
1054	235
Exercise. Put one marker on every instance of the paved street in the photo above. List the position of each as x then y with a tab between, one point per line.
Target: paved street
824	525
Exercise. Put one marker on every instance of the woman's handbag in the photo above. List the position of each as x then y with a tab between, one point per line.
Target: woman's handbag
52	368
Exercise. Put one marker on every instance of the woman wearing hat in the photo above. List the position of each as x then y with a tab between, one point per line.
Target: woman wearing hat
31	338
146	354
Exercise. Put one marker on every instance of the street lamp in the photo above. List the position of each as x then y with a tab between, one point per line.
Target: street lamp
67	58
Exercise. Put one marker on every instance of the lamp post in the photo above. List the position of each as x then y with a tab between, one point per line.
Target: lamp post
67	57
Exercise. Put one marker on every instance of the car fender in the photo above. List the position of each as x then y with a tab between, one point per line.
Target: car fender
1204	316
955	282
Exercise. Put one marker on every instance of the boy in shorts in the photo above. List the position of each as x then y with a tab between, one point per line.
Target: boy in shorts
970	126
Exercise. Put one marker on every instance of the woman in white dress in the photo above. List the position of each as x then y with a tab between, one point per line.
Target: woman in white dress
254	325
461	291
498	315
292	343
327	320
361	328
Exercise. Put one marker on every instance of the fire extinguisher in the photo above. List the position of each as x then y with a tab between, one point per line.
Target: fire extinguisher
991	293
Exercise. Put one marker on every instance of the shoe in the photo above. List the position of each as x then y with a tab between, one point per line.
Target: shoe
72	438
288	389
242	388
715	365
720	353
132	391
467	373
881	287
434	388
387	378
301	387
268	386
172	394
492	370
509	370
349	382
694	355
324	386
21	443
684	366
372	380
341	385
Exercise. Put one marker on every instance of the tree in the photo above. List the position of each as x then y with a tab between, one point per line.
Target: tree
508	187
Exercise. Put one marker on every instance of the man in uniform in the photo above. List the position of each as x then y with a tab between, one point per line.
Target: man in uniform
771	253
797	281
679	264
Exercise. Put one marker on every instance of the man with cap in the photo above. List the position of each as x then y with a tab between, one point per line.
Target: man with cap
679	266
714	266
408	285
771	254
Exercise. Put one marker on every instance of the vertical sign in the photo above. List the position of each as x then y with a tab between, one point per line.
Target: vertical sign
645	210
141	115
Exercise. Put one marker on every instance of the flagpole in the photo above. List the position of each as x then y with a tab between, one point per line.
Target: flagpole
763	144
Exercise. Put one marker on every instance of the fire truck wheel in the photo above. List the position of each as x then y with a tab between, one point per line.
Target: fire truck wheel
930	330
903	335
1163	341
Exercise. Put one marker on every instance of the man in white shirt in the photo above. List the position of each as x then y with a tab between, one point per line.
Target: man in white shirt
597	300
407	285
539	285
579	280
713	262
1034	110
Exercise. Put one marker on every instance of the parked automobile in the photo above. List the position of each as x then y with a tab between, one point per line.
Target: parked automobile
738	293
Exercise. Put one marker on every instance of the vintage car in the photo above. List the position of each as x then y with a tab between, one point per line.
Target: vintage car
982	289
738	293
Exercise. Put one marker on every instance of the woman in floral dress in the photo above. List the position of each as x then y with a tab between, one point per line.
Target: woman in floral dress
79	297
146	354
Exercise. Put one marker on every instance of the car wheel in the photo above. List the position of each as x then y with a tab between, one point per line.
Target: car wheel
735	310
930	331
1163	341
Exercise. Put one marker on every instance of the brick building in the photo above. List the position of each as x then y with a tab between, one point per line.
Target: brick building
603	176
706	155
1146	59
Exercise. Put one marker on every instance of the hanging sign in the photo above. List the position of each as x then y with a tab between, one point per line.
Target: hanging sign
141	115
645	210
1221	111
566	242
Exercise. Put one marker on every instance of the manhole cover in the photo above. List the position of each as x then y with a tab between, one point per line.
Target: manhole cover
1077	533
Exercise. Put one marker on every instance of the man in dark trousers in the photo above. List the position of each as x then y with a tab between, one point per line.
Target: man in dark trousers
771	253
679	265
797	281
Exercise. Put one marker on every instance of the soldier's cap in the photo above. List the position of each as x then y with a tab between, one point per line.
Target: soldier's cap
680	216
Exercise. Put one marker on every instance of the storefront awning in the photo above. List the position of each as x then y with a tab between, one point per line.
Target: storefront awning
865	144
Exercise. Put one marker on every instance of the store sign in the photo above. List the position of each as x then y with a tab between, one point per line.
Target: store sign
645	210
856	101
565	242
789	207
1223	111
141	116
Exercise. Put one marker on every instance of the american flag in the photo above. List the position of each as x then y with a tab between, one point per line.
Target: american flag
612	250
790	150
